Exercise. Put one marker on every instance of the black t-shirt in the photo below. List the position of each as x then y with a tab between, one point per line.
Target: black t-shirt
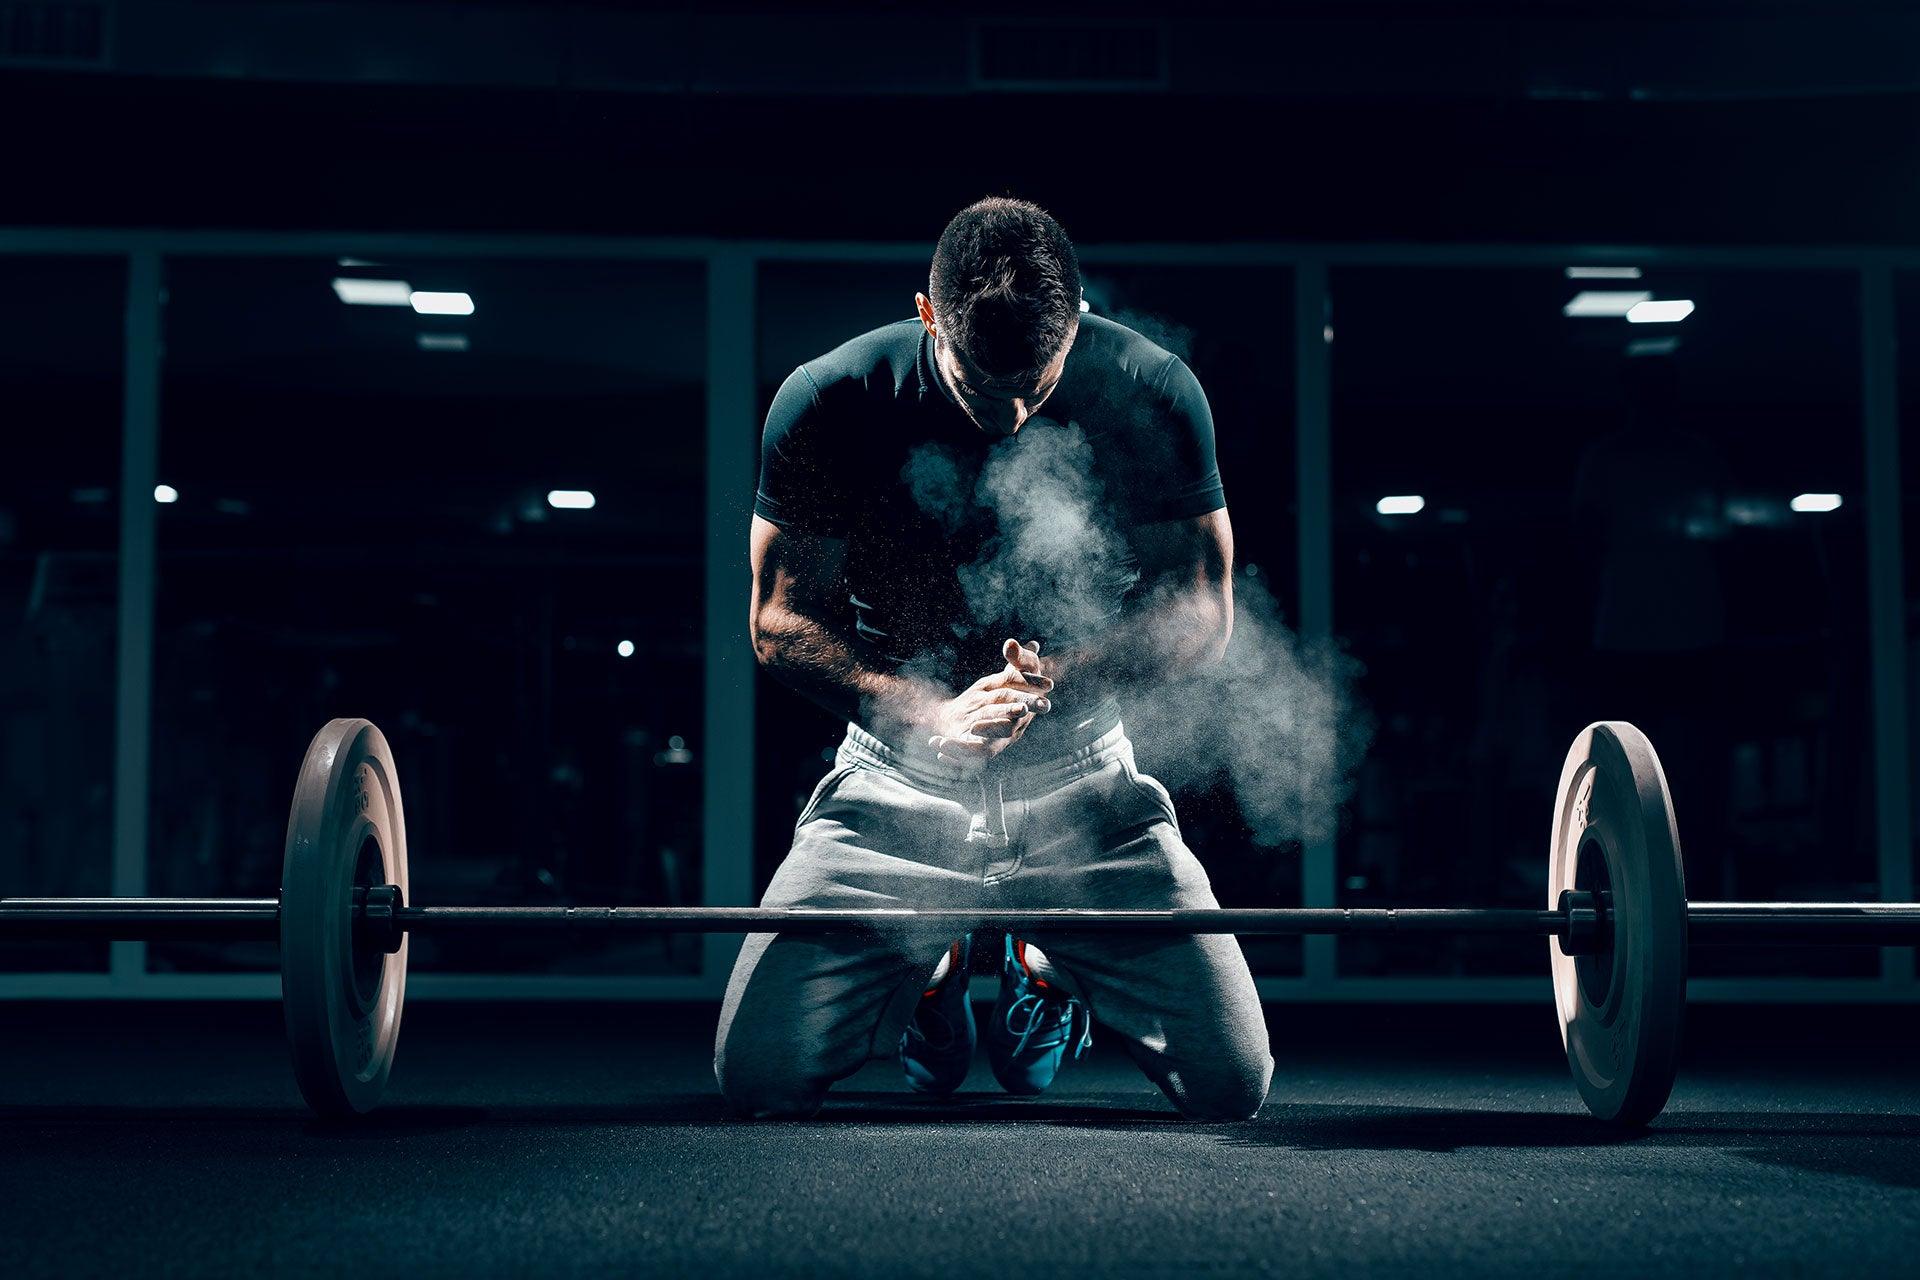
956	539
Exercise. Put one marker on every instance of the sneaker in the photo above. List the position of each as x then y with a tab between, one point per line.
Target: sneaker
936	1049
1034	1025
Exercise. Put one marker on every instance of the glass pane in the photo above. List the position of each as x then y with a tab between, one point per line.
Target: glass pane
1230	324
371	521
1613	527
61	323
805	309
1233	326
1906	286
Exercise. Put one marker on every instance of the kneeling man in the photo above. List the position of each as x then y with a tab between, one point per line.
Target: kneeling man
975	531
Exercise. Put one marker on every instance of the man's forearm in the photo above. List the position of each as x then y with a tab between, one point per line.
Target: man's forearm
1163	635
828	669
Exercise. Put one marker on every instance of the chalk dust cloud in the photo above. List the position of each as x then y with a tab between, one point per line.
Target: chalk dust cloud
1276	719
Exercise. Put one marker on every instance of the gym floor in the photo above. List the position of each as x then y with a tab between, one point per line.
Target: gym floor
572	1139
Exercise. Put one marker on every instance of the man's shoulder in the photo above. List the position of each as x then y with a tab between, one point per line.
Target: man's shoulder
880	364
1148	420
1118	348
1114	365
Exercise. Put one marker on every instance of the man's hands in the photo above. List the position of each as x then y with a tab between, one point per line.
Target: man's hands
990	714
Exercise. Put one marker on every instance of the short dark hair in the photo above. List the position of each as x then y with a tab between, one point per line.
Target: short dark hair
1006	285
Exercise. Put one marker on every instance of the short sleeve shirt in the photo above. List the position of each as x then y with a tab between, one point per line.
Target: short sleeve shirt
957	539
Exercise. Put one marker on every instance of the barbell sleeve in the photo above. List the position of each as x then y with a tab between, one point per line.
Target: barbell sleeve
141	919
1880	924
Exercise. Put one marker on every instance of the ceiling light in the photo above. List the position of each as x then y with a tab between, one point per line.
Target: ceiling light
429	303
1602	302
373	293
1665	311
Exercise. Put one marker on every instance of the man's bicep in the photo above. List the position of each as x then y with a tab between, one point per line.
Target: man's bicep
1195	549
793	569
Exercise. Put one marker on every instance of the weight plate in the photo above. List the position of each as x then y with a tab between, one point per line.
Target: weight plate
1621	1009
342	1000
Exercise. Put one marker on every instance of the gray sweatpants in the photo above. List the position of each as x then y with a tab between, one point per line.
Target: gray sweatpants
1082	829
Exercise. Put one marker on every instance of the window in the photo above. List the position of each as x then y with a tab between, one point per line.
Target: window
1906	297
1544	519
61	321
484	532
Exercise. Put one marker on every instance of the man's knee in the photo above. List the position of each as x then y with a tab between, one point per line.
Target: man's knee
1223	1091
763	1091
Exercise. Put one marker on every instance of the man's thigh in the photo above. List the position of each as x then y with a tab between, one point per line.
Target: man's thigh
1185	1005
802	1011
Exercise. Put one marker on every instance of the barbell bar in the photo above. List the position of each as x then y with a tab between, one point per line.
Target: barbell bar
1617	923
1579	917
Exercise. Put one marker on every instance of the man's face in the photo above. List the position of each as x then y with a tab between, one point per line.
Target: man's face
999	406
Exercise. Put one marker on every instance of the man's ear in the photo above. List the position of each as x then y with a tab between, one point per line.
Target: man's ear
924	305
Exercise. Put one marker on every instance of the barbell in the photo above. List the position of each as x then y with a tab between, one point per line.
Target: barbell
1618	922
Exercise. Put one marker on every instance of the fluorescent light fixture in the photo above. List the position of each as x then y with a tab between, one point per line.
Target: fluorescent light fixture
570	500
624	648
1603	302
165	493
358	262
1653	346
441	341
1665	311
429	303
1816	502
1403	504
1603	273
373	293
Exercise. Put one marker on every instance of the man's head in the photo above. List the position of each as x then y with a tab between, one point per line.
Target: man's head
1004	310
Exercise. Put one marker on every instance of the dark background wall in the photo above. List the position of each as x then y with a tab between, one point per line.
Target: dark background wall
1713	123
357	523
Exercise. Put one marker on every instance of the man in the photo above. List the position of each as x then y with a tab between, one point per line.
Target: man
974	533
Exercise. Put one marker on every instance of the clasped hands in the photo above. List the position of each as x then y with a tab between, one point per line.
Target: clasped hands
991	714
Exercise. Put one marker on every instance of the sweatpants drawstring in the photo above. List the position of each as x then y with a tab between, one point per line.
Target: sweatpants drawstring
988	825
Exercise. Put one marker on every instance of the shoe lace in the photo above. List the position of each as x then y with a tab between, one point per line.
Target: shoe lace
1034	1015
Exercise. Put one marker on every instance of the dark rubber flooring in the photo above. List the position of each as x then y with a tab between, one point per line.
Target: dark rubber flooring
587	1140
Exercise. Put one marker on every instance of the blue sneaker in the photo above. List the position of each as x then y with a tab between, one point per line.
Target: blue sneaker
1034	1025
936	1049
